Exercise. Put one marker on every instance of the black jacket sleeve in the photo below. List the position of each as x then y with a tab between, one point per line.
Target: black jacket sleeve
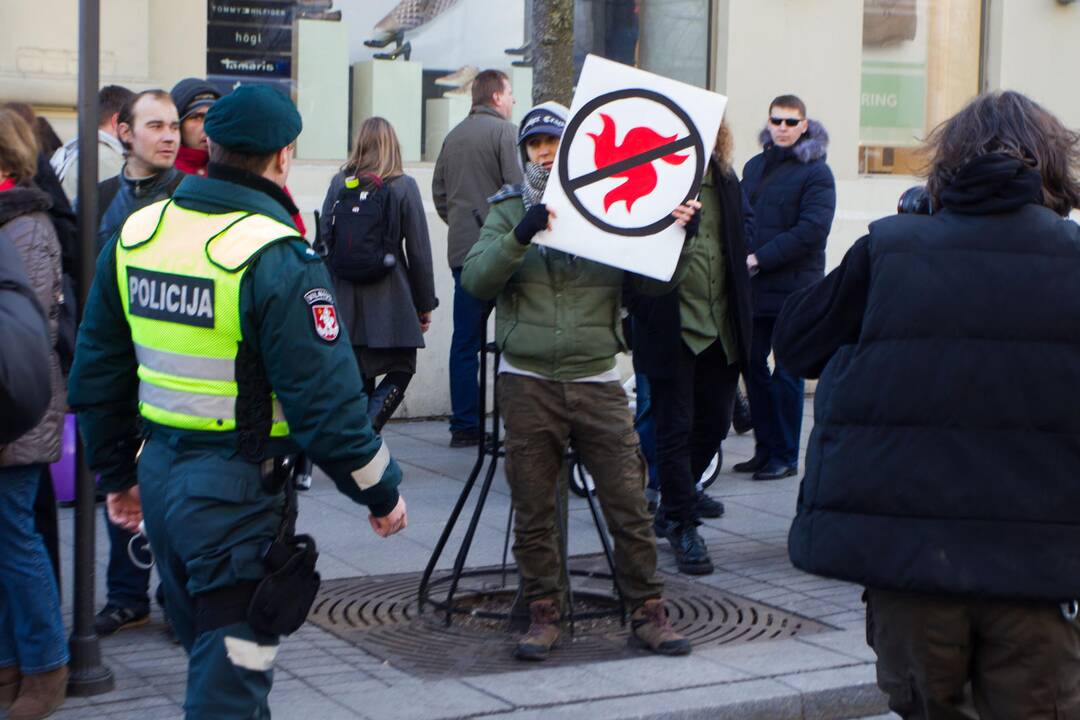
25	387
818	320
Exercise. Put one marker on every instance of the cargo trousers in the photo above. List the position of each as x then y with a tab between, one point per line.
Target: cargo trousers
541	417
209	519
1022	659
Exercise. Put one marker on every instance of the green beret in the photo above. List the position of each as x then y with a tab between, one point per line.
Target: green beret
255	119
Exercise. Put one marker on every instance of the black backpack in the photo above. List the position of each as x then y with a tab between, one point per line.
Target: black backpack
361	249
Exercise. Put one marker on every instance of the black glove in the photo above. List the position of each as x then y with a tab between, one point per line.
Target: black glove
693	226
535	220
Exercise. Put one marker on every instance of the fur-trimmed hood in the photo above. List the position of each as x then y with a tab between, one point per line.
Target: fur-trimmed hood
21	200
813	145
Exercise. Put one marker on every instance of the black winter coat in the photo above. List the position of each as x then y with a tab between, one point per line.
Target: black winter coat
657	327
793	195
946	445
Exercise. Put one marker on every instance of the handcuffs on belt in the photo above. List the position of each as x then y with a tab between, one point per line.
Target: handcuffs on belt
134	553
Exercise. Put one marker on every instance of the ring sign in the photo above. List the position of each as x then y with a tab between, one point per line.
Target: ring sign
635	148
631	163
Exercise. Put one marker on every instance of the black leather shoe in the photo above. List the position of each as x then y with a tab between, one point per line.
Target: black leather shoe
776	471
708	507
752	465
691	555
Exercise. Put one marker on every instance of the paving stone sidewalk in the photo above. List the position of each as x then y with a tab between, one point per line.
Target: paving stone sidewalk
318	676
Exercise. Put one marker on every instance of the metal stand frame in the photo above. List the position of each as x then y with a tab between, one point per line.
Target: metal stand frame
490	450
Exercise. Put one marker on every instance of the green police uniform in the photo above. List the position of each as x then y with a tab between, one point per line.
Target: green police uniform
210	333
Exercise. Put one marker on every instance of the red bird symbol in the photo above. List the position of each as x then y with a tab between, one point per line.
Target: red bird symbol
641	179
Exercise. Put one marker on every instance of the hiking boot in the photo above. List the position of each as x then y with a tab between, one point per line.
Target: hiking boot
691	555
40	694
9	685
650	628
113	618
708	507
543	631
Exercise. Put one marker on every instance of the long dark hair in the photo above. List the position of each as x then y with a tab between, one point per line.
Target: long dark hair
1010	123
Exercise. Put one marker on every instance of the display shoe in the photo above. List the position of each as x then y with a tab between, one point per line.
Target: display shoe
461	77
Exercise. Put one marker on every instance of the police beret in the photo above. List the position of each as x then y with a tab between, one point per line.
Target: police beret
255	119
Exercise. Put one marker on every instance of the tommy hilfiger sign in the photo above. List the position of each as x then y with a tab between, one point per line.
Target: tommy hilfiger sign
172	298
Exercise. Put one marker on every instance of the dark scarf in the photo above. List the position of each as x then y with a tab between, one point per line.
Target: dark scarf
22	200
992	184
254	182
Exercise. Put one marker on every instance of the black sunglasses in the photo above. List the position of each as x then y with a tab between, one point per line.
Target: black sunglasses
790	122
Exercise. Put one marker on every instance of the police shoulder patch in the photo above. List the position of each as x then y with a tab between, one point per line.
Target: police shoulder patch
323	314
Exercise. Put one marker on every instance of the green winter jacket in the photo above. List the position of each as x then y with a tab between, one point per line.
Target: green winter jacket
556	315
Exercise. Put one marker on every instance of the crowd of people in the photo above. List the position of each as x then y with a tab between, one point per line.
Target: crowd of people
931	478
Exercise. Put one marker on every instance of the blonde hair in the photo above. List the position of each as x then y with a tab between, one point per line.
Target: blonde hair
18	147
725	146
376	151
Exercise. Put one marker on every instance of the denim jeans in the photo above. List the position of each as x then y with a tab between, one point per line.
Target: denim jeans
645	424
464	359
125	583
776	400
31	628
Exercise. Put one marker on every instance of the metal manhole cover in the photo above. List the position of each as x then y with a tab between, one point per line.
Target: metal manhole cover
379	614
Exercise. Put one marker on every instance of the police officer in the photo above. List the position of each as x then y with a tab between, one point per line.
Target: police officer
214	321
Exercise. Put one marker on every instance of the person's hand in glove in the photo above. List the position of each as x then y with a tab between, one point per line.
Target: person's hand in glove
537	218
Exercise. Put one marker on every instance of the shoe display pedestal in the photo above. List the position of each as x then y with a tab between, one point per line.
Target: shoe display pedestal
391	89
521	80
441	115
322	90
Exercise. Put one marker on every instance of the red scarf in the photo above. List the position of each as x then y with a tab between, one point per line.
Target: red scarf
193	162
9	183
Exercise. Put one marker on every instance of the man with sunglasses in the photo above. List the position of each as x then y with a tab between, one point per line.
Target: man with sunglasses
794	198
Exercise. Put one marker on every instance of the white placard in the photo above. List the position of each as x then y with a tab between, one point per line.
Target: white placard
636	146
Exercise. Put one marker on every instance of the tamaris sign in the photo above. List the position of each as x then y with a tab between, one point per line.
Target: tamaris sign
635	148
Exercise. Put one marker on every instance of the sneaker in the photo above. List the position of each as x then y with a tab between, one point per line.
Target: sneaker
543	632
708	507
650	628
113	618
691	554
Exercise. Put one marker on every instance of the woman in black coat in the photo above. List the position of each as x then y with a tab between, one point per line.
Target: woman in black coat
691	345
387	318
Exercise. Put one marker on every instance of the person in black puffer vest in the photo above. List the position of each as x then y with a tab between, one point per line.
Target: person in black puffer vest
942	469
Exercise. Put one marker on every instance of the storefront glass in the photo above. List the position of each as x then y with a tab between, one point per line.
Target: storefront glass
921	63
668	37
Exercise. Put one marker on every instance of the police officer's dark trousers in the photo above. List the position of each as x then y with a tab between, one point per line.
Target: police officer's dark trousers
208	519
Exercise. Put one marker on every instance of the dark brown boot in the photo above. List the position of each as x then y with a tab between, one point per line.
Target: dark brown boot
543	631
9	685
40	694
651	629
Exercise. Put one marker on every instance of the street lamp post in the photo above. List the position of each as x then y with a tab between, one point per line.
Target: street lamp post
88	675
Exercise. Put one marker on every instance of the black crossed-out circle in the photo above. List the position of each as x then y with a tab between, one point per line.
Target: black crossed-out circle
571	186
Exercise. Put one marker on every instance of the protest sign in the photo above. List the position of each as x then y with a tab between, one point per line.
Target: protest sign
635	148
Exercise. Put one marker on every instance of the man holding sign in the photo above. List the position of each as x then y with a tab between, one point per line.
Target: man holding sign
558	327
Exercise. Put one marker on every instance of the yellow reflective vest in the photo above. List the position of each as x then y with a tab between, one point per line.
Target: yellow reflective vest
179	273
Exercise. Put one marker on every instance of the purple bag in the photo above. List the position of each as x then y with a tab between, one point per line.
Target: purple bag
63	470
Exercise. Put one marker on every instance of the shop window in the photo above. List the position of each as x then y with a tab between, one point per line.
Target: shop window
668	37
921	64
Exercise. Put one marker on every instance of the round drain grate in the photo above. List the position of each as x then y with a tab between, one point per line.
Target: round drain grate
380	615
